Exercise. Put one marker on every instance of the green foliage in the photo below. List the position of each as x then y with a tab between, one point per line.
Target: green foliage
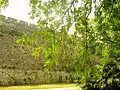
3	3
104	78
87	55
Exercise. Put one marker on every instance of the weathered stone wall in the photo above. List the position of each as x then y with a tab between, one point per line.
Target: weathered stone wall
14	26
17	66
12	55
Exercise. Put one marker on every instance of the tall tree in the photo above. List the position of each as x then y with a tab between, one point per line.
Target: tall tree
93	44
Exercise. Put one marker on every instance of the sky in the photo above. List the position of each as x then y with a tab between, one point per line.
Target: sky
18	9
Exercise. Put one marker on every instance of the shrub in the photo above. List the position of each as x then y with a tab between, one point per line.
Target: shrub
105	77
34	77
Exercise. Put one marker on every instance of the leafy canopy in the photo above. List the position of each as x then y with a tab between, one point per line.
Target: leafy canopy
91	47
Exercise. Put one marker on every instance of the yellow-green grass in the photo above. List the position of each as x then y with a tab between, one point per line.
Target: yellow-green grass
32	87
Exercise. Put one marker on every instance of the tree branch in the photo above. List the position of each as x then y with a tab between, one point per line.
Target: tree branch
71	4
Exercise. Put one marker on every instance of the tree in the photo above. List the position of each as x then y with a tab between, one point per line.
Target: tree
93	52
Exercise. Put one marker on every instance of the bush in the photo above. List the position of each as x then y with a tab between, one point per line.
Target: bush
20	77
106	77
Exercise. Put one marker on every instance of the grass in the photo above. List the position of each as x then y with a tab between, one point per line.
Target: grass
45	86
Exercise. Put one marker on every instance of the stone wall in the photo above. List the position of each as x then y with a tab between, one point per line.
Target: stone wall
17	66
12	55
13	25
